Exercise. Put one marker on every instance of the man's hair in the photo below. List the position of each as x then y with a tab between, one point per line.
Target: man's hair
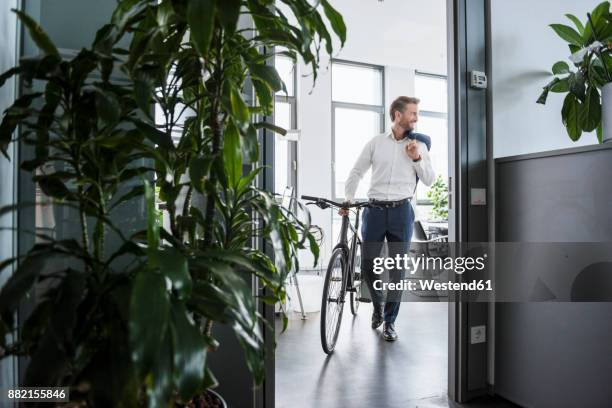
399	105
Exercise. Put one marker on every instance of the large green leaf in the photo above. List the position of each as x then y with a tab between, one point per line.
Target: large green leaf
51	359
20	282
272	127
107	106
201	19
149	312
336	20
561	86
239	109
267	74
159	387
596	23
577	85
189	352
250	144
232	153
174	266
568	34
560	68
152	225
264	95
155	135
53	186
13	116
576	22
570	114
37	34
199	167
229	11
8	74
590	114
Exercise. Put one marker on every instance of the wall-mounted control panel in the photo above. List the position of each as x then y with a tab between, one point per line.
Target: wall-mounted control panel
478	80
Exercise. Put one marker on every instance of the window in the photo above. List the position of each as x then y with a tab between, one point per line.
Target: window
357	116
285	108
433	121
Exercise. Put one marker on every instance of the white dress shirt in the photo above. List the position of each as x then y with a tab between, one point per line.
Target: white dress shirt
394	174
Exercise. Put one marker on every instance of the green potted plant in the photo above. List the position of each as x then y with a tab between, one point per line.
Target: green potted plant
438	195
133	325
587	85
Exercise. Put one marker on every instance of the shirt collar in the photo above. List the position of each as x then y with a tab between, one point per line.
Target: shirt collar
392	137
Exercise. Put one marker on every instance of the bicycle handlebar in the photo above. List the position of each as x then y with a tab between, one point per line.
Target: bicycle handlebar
325	202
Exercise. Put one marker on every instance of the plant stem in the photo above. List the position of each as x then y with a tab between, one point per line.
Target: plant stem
187	203
208	328
217	133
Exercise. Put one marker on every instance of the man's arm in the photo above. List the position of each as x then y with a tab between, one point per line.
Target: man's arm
423	167
361	166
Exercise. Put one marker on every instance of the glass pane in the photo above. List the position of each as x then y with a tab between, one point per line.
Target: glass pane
281	164
353	129
356	84
432	92
437	129
282	114
285	68
282	118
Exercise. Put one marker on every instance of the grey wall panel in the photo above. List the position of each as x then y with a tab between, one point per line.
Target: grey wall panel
476	166
555	354
8	53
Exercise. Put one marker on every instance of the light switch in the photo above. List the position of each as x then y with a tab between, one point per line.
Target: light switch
478	334
478	196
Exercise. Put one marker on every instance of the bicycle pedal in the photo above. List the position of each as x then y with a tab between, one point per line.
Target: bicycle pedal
365	300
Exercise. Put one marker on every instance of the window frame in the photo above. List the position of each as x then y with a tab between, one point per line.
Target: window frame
292	147
290	99
430	114
379	109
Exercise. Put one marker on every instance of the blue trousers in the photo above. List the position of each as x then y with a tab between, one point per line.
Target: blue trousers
395	226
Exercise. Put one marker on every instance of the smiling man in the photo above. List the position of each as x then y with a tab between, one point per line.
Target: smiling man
398	158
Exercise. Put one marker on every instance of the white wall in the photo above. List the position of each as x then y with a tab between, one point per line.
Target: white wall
524	48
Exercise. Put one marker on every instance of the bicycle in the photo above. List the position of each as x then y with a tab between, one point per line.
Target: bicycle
343	273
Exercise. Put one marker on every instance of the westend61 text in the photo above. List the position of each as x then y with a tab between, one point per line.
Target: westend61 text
406	284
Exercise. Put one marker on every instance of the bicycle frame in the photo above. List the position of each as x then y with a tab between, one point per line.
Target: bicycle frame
350	251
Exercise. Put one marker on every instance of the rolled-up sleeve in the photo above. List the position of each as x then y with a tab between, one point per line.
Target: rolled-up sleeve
423	167
363	163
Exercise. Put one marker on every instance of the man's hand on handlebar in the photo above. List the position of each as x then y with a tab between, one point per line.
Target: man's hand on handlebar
344	211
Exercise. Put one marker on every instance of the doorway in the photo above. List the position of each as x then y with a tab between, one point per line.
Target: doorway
332	122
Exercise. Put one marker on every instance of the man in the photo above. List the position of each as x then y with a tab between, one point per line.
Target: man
398	160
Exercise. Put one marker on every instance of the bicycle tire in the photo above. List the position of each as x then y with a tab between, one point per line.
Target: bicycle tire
332	301
357	280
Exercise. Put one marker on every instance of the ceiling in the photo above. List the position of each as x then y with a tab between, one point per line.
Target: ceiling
402	33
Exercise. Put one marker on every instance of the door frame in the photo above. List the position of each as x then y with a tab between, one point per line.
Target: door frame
470	155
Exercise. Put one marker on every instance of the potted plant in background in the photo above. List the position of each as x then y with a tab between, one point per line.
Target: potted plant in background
438	195
588	101
138	332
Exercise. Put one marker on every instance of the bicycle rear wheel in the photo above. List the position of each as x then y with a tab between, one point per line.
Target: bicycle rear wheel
357	279
332	302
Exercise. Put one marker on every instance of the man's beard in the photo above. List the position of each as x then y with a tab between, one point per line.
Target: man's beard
407	125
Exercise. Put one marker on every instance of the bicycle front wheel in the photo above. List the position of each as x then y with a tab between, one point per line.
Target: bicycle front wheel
332	302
